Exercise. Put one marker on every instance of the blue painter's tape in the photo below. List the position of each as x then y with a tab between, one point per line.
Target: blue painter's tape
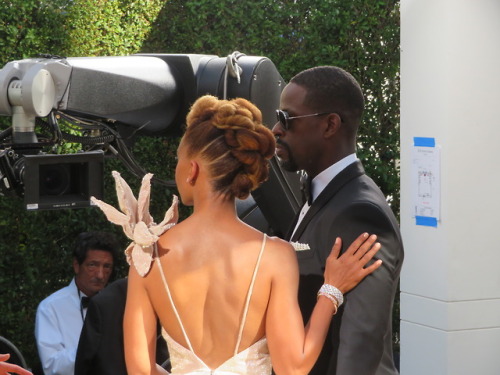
427	221
424	142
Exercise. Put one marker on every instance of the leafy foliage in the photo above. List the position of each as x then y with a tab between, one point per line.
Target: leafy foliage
361	36
30	27
109	28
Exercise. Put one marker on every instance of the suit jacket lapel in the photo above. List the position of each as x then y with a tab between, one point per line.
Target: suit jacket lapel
352	171
292	226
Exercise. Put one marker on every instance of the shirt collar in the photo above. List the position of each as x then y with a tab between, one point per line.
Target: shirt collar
319	182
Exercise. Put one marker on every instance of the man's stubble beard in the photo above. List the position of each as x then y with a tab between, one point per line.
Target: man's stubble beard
288	165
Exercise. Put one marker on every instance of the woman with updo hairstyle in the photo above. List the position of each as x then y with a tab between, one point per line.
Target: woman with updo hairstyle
230	137
224	293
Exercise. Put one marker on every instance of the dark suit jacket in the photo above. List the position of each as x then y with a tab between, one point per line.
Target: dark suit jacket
360	338
100	349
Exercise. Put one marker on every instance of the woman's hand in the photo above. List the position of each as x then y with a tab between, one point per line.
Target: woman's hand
346	271
7	368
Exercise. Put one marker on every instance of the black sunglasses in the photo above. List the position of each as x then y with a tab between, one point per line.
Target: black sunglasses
283	117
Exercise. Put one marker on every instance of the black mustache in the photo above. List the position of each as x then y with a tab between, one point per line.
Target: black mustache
281	143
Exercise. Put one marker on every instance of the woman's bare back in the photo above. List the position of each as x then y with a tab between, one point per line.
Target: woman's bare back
209	272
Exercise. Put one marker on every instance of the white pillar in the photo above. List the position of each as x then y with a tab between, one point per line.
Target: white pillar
450	283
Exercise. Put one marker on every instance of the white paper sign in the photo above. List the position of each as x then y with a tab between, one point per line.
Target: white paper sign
426	181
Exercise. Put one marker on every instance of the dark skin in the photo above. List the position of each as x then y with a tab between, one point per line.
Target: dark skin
311	143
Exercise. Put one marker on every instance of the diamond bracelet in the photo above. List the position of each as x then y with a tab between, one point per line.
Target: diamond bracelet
331	298
332	291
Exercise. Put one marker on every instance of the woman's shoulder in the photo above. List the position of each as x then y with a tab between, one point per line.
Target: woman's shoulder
169	238
278	248
280	259
176	232
279	243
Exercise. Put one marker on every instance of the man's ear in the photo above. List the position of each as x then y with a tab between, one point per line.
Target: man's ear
193	172
334	122
76	266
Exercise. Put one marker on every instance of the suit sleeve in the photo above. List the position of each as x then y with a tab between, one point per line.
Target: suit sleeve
89	343
364	322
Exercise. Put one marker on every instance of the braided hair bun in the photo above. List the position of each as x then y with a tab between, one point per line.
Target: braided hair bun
230	137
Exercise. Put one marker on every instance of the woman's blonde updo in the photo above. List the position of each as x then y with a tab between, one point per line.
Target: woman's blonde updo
230	137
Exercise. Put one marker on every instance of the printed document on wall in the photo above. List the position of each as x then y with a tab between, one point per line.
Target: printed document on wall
426	181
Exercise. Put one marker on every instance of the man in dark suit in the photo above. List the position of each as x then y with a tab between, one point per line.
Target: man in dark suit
100	349
320	112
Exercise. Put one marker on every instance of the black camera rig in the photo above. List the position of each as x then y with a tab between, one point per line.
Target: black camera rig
107	101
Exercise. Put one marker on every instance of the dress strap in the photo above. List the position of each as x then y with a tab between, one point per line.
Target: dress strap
157	258
249	296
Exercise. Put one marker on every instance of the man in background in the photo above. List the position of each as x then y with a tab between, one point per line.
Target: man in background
60	316
100	349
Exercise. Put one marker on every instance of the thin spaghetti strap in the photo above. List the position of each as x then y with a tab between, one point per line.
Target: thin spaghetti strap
249	296
170	297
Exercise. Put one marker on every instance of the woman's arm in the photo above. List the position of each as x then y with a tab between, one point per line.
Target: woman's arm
294	349
139	328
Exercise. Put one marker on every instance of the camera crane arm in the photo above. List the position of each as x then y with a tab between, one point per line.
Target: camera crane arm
121	97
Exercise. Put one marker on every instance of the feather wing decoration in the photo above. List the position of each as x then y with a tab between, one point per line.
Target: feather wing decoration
136	221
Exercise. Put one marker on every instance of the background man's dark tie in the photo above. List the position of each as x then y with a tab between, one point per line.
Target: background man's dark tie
85	302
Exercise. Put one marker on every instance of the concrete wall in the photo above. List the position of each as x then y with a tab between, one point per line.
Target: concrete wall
450	91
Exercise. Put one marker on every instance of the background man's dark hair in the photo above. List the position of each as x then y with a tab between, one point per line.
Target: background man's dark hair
104	241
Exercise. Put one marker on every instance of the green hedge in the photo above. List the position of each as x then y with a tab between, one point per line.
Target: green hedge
361	36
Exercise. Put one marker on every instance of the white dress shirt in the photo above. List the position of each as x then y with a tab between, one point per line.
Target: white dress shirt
59	321
319	183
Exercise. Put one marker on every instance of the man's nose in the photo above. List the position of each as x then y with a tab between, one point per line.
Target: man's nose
277	129
101	271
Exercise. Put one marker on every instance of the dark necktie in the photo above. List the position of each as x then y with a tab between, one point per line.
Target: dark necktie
85	302
305	188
